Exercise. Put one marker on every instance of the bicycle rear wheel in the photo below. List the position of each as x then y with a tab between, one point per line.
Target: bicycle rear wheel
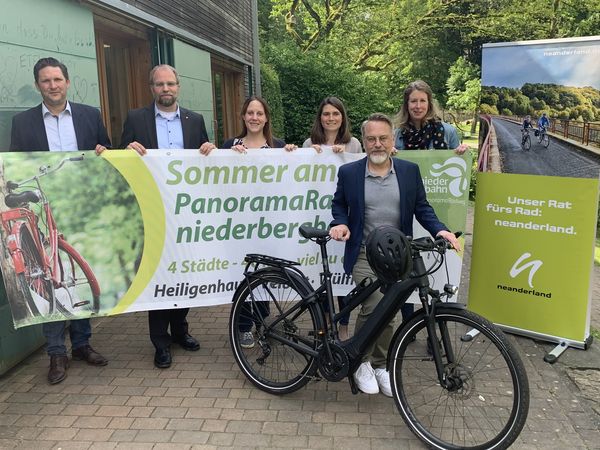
273	306
79	292
488	403
34	280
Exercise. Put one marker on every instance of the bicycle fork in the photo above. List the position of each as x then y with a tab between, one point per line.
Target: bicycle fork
439	347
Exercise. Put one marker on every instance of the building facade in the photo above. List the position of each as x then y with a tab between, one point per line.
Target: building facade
109	47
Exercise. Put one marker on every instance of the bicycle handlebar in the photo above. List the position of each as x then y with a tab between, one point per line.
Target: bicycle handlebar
43	171
426	244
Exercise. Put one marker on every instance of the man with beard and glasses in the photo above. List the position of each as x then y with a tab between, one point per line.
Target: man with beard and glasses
374	191
165	125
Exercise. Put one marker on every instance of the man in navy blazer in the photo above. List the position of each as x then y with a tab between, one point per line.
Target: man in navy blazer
374	191
165	125
59	125
162	122
29	134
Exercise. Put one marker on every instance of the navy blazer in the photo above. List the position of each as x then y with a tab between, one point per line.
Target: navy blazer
28	132
348	206
140	126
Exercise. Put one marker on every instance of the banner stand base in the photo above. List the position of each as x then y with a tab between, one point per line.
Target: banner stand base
552	356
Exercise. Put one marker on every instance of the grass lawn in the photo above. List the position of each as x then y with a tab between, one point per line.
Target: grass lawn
467	138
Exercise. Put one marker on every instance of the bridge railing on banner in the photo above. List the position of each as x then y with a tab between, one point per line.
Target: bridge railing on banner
484	142
588	133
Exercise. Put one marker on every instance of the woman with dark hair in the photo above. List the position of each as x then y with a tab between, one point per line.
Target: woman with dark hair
418	123
332	128
256	127
256	133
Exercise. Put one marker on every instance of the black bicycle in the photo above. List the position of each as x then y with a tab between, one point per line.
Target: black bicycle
456	379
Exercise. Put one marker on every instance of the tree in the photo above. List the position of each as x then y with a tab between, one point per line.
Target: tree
464	88
382	46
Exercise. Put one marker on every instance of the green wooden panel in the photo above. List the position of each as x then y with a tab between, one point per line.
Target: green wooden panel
193	67
30	30
50	26
34	29
15	345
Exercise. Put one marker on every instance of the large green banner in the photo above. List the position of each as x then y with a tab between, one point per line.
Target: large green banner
92	236
532	263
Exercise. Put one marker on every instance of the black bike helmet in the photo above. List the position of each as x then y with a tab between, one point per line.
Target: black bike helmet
388	253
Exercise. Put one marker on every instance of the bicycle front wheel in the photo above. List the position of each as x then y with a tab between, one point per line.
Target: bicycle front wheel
526	143
268	327
79	292
486	403
546	140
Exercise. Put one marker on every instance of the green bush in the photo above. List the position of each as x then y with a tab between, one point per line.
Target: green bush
473	186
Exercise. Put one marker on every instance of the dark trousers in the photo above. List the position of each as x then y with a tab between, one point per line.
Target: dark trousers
159	322
252	314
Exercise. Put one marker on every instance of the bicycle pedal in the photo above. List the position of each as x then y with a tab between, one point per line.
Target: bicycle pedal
83	303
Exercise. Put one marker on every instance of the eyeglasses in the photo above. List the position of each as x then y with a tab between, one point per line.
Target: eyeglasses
373	139
166	83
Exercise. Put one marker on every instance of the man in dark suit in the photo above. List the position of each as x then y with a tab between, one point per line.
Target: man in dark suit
374	191
59	125
165	125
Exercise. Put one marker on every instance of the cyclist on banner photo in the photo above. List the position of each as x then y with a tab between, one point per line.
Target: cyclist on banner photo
543	122
526	124
59	125
374	191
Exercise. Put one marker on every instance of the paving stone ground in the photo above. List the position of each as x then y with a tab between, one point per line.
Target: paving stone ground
203	401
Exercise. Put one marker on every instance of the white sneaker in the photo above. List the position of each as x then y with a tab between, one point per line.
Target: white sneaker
383	381
365	379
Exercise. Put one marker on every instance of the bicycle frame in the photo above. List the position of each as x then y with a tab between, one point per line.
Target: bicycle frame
13	222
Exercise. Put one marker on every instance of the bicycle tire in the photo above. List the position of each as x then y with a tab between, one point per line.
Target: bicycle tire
34	276
30	308
270	364
546	140
526	143
489	406
79	291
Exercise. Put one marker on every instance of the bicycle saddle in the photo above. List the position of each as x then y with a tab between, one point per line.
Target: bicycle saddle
14	200
308	232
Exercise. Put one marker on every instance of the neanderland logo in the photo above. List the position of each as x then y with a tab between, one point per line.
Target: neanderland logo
521	264
524	266
449	177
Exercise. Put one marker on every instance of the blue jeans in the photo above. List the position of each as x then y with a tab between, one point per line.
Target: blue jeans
80	332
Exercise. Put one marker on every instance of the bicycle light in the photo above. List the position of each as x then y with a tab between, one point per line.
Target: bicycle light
450	289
